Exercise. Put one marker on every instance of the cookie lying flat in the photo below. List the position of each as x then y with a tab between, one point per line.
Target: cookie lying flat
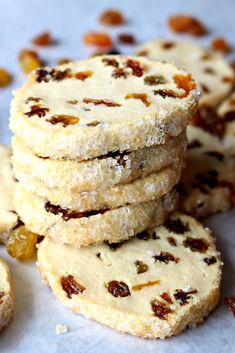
99	173
67	226
86	109
6	295
208	181
8	217
211	72
226	111
152	286
140	190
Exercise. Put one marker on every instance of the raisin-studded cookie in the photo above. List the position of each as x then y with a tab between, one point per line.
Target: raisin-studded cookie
8	217
99	173
68	226
86	109
6	295
210	70
152	286
140	190
226	113
208	182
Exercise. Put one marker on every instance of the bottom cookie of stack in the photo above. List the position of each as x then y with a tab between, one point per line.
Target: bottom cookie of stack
153	286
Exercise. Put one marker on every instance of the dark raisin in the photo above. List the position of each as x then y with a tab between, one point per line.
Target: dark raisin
160	310
166	257
216	155
196	244
153	80
141	267
125	38
172	241
145	235
204	88
115	246
110	62
165	296
165	93
209	70
183	296
210	260
230	303
37	110
134	65
118	73
181	189
70	286
2	294
176	225
194	144
168	45
118	289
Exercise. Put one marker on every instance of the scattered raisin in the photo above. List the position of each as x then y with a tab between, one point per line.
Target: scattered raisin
160	310
153	80
43	39
83	75
142	96
66	120
166	257
112	18
29	60
117	73
110	62
94	123
106	102
45	75
118	289
176	225
37	110
196	244
115	246
5	77
165	296
98	39
183	296
145	235
230	303
216	155
184	82
70	286
125	38
210	260
141	267
186	24
134	65
172	241
166	93
221	45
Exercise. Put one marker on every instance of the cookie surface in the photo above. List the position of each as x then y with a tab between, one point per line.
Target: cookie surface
100	173
110	103
8	217
67	226
208	182
209	69
6	295
152	286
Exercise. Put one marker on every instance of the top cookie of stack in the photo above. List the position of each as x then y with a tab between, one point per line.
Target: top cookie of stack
86	109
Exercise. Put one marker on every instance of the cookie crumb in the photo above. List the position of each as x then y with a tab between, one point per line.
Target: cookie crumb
61	329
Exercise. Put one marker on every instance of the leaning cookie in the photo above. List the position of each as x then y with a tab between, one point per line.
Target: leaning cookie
153	286
209	69
8	217
68	226
103	104
208	182
6	295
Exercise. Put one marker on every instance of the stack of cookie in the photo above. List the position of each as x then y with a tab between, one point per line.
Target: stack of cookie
99	146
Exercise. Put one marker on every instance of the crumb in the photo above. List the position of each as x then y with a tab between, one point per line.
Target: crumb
61	329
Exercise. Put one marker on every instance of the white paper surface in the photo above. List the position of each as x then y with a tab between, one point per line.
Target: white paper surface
37	313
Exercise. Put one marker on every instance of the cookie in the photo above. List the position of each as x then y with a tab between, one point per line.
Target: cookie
8	217
208	182
209	69
226	112
86	109
140	190
99	173
67	226
6	295
153	286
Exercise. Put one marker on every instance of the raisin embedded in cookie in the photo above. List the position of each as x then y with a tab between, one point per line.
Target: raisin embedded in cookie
147	286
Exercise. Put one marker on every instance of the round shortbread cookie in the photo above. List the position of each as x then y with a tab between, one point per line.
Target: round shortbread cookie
107	103
82	229
6	295
226	111
8	217
208	182
140	190
100	173
152	286
210	70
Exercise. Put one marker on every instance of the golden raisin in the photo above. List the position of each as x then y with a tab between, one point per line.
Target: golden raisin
83	75
22	243
5	77
97	39
221	45
66	120
142	96
111	18
29	60
43	39
186	24
184	82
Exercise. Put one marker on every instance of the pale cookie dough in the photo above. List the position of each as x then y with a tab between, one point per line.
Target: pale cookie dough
99	173
153	286
8	217
209	69
6	295
140	190
81	229
226	112
107	103
208	182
